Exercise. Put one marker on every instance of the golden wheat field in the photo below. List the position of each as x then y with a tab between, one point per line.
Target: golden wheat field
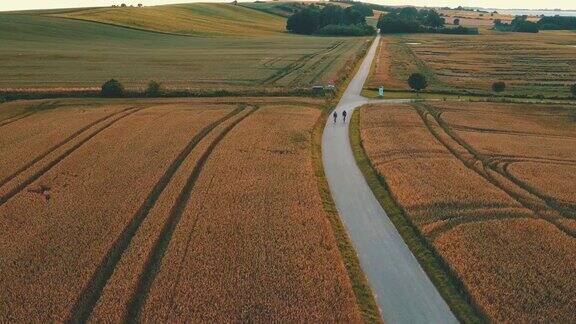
488	185
166	210
530	64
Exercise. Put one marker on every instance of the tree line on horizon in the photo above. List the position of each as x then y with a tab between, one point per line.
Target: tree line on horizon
523	25
412	20
332	20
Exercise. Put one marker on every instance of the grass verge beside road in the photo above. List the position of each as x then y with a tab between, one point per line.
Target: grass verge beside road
362	290
449	286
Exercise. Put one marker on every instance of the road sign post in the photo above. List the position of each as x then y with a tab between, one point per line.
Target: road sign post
381	91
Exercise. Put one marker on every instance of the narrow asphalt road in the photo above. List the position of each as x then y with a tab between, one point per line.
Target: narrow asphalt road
404	292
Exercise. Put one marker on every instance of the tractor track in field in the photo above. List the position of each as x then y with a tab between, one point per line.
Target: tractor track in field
322	60
46	168
15	118
480	166
90	295
500	165
298	64
507	132
29	112
568	210
156	256
58	145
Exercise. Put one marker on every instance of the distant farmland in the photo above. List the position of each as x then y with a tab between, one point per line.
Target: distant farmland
530	64
491	186
41	51
200	19
167	210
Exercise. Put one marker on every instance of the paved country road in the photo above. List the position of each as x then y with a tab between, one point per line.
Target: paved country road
404	292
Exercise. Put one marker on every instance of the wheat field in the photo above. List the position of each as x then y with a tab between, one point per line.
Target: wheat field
488	185
166	210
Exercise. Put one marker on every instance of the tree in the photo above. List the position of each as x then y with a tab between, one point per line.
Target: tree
364	9
353	17
330	20
305	21
154	89
573	90
417	82
521	24
457	22
389	24
408	13
431	18
112	89
498	86
330	15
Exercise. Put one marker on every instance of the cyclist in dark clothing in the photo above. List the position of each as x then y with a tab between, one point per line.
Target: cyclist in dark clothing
344	115
335	114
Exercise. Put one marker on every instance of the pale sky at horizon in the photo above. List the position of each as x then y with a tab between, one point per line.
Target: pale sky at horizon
6	5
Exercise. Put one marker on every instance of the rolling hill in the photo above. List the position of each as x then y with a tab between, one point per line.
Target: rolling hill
47	50
199	19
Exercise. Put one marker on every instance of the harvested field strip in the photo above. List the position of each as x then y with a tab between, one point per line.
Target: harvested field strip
472	160
89	297
57	146
19	187
155	259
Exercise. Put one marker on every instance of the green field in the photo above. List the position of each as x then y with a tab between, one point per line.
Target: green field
41	51
283	9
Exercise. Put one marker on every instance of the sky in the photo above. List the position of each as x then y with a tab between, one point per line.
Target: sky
6	5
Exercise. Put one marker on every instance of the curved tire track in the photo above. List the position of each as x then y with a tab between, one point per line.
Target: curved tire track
58	145
15	118
530	201
91	294
155	258
61	157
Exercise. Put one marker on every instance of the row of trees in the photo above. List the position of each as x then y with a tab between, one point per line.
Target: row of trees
114	89
412	20
557	23
519	24
418	82
523	25
331	20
